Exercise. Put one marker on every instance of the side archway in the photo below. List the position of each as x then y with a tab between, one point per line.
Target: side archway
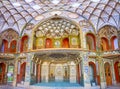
65	43
24	44
2	72
108	74
93	74
104	44
13	46
91	42
114	43
117	71
4	47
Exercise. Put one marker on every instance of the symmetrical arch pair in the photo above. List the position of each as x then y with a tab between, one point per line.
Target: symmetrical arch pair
107	39
10	44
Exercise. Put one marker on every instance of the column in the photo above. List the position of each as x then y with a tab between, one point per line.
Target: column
30	41
15	73
85	71
83	39
28	69
113	73
18	45
39	73
119	39
102	73
78	72
35	69
72	72
97	71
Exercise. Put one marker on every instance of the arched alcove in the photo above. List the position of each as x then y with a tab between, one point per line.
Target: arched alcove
56	32
48	43
24	44
117	71
91	42
2	72
65	43
114	43
93	74
108	74
4	47
21	76
13	46
104	44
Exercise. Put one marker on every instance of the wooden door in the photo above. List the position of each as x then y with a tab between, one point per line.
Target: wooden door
108	74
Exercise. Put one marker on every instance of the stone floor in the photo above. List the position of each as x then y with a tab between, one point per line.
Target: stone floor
33	87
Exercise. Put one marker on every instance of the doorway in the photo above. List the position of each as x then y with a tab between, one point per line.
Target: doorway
108	74
2	73
117	71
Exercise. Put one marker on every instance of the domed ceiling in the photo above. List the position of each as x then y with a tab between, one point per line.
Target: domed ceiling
16	13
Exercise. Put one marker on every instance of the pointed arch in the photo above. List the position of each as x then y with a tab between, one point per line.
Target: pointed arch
104	44
22	72
108	74
65	43
48	43
4	47
93	74
24	44
2	72
91	41
13	46
114	43
117	71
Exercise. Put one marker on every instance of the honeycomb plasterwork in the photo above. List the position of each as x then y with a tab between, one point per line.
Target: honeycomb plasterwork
57	27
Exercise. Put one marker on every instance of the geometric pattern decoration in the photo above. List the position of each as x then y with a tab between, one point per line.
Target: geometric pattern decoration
15	13
57	27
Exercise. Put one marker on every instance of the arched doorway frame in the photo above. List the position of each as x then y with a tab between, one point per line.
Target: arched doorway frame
24	43
104	44
112	42
117	71
22	70
13	46
93	41
2	72
93	65
108	73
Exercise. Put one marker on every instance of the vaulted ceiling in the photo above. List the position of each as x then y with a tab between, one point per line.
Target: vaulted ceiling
16	13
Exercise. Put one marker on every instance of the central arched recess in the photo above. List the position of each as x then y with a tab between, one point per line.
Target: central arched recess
56	32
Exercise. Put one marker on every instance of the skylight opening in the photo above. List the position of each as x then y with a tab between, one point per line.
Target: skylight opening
36	7
76	5
16	4
28	1
55	1
95	0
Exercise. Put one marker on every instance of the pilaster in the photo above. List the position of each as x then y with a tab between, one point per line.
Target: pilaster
119	39
39	73
28	69
102	73
113	73
83	40
85	71
15	73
